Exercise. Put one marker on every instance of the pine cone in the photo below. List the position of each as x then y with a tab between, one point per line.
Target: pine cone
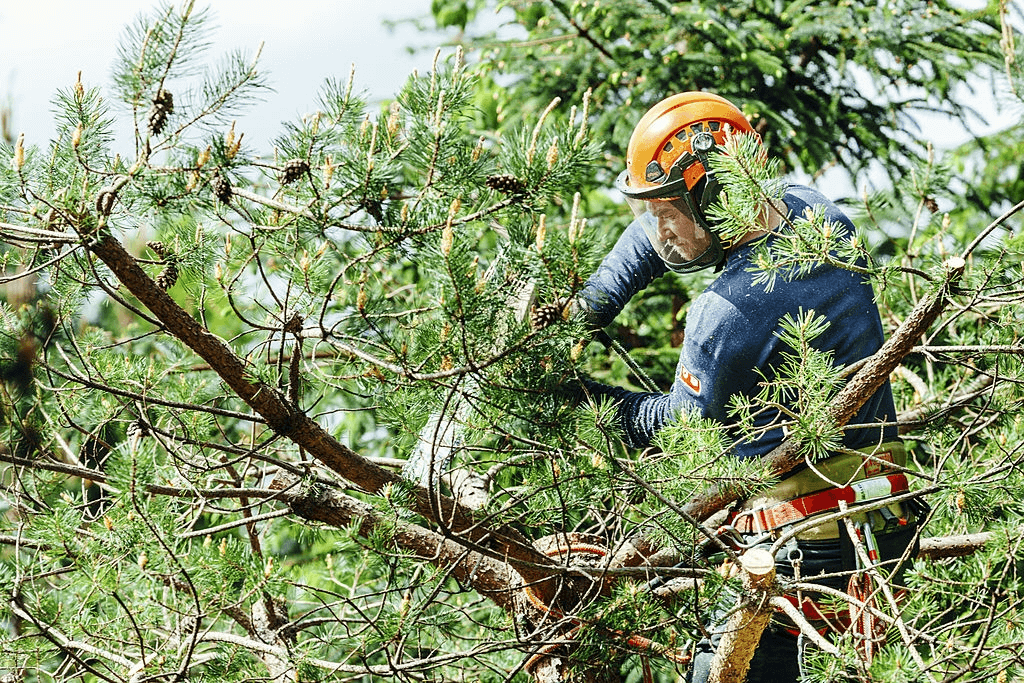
167	277
158	248
293	170
163	105
545	315
221	188
506	184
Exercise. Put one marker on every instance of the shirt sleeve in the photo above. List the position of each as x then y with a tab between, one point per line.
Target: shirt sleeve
721	349
628	268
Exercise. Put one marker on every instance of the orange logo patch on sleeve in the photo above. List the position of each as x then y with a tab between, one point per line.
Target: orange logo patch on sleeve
689	380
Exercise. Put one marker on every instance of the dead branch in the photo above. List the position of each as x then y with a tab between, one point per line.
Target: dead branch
744	628
942	547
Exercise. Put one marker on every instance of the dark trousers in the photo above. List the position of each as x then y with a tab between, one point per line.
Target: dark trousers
777	658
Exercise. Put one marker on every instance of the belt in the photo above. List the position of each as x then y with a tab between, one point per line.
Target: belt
767	518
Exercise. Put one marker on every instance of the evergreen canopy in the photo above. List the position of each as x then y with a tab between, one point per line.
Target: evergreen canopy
217	361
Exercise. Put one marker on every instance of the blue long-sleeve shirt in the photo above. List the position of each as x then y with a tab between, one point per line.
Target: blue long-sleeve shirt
732	331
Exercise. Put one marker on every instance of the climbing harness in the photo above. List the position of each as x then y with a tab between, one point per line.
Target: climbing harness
770	516
763	519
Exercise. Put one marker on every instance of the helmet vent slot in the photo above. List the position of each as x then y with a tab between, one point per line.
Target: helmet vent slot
654	172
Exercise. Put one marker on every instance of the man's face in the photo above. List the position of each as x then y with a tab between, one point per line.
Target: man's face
677	231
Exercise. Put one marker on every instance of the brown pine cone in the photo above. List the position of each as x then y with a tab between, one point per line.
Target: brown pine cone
105	202
545	315
163	105
221	188
293	170
158	248
167	277
506	184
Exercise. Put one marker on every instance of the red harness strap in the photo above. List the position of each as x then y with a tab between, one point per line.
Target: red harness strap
762	519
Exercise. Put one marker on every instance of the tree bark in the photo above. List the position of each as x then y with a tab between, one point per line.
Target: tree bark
267	619
290	422
744	628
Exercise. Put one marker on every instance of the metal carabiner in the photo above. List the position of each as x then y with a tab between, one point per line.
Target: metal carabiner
757	520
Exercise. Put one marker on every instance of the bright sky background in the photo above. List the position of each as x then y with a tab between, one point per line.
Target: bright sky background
45	43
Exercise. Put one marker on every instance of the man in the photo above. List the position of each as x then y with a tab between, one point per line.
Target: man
731	345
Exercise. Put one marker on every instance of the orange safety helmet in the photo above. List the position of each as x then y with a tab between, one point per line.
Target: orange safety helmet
666	149
668	158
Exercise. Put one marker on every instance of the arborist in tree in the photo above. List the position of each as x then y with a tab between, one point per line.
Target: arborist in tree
732	345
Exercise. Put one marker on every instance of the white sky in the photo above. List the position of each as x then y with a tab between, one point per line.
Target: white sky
45	43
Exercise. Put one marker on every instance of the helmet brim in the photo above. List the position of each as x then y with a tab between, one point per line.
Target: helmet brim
674	186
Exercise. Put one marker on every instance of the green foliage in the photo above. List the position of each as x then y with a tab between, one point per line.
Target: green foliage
823	83
807	381
381	271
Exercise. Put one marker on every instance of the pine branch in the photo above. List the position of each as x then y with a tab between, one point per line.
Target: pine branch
246	521
581	31
286	420
783	605
488	576
942	547
15	233
84	654
388	670
176	405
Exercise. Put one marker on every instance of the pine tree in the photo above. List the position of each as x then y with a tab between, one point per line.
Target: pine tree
212	396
